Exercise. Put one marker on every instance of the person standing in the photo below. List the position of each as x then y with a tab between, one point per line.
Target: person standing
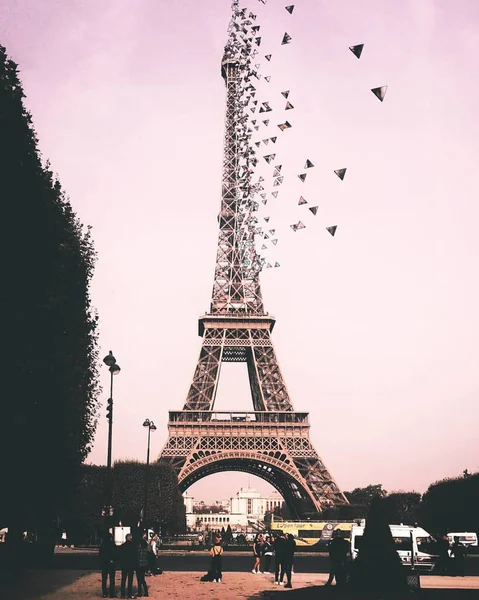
141	566
442	565
338	559
154	566
289	550
216	554
279	547
127	560
458	556
267	554
258	553
107	553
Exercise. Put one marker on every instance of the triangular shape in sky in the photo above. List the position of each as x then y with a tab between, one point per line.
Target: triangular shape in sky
285	94
290	8
332	229
302	177
341	173
380	92
313	209
302	201
308	164
289	106
286	39
357	50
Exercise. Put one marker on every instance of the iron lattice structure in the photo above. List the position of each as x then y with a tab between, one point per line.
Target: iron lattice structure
273	441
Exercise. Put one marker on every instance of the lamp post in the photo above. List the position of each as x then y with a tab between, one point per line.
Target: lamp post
114	368
151	427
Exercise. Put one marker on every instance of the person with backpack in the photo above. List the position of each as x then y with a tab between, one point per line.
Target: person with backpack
216	554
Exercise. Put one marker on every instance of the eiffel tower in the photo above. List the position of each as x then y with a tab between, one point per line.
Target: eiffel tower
272	441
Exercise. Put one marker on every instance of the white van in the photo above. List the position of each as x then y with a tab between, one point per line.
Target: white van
465	538
405	537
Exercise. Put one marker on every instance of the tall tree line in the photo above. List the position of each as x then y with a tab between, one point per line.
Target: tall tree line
48	349
166	510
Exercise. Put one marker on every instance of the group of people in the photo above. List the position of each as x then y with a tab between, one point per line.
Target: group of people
282	547
131	557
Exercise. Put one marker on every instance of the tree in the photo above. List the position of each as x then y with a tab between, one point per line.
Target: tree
451	505
166	509
404	507
364	496
49	340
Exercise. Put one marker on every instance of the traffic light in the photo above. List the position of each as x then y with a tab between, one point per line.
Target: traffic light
109	410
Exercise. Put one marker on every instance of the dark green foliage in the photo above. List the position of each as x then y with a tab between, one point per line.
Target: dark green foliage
364	496
48	351
166	509
452	505
404	507
378	567
165	503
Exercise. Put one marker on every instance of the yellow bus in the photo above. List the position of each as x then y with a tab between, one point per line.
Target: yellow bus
312	534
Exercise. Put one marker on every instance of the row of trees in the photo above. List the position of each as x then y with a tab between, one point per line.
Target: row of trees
166	510
48	354
448	505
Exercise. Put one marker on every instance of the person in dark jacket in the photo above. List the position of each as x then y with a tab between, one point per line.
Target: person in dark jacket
127	560
108	555
278	547
443	563
338	559
142	562
267	554
458	557
289	550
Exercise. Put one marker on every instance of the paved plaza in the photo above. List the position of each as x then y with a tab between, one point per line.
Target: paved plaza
77	585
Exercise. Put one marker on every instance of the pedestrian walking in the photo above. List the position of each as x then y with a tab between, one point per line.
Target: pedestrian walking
258	553
279	544
267	554
108	555
127	561
142	566
458	557
216	554
338	559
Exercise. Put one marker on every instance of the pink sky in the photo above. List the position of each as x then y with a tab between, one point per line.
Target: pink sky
377	329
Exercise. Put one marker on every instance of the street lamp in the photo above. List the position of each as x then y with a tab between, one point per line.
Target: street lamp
151	427
114	368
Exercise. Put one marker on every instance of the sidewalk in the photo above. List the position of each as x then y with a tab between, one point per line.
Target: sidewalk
77	585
